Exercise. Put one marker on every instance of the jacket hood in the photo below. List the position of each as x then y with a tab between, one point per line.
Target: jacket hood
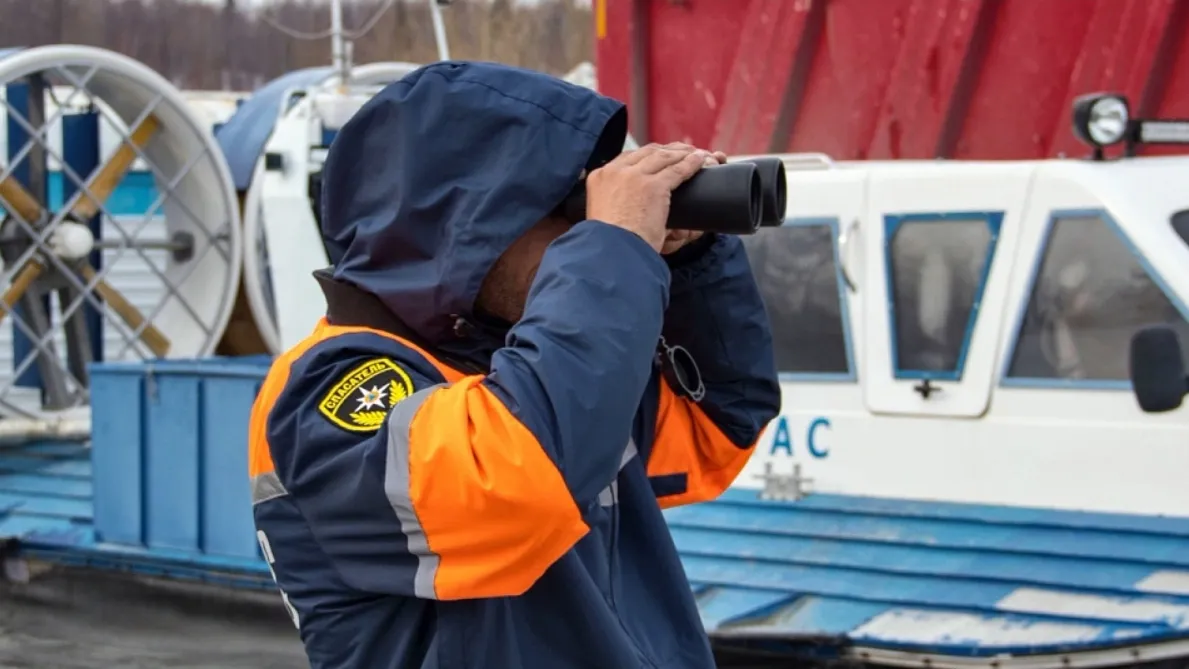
440	172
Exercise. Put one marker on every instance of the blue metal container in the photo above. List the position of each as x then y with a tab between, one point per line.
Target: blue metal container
169	454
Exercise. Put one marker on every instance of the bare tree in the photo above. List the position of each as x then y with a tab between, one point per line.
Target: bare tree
227	45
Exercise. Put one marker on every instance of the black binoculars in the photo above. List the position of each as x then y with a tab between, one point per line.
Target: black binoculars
735	198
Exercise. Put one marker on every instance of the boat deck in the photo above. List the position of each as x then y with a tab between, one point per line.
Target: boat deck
949	580
46	504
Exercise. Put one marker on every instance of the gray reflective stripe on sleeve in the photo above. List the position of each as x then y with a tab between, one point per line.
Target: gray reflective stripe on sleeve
396	486
610	495
628	453
265	487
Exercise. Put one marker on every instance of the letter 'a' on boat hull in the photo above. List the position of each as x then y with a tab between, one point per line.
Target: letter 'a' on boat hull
120	237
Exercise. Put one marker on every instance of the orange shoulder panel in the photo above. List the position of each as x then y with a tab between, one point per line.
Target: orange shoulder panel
259	457
688	442
504	514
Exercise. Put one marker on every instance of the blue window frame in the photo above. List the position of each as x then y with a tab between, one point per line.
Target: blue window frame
1089	290
937	266
800	279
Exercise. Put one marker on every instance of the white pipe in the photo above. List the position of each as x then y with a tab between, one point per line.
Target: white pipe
439	30
338	52
15	431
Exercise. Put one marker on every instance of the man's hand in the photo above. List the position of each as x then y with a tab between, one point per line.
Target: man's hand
675	239
633	190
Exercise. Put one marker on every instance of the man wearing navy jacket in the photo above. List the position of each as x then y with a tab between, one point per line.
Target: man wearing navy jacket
465	463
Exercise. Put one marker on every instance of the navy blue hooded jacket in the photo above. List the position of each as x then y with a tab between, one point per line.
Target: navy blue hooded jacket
435	491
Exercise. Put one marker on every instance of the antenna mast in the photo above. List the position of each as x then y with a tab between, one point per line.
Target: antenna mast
338	51
439	28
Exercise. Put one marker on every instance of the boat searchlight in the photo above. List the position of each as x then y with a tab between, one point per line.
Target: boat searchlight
1104	119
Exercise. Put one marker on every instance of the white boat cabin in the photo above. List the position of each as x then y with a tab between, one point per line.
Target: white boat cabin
960	331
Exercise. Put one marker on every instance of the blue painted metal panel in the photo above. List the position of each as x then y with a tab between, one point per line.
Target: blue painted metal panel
115	412
169	448
20	162
227	525
953	579
80	152
170	451
244	135
44	487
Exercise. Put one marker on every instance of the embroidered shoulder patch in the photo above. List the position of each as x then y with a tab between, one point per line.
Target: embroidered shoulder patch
361	400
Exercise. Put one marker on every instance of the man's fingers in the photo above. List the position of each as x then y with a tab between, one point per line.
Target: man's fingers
666	157
652	158
676	239
635	157
678	172
662	158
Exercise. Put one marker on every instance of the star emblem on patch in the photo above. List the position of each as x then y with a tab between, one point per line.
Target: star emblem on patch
372	398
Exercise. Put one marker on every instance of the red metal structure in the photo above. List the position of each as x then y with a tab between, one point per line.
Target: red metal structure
880	79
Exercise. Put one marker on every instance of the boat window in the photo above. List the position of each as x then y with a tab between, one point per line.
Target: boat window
937	268
797	273
1089	296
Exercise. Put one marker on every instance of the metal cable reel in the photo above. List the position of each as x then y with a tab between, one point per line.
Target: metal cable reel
281	176
119	225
